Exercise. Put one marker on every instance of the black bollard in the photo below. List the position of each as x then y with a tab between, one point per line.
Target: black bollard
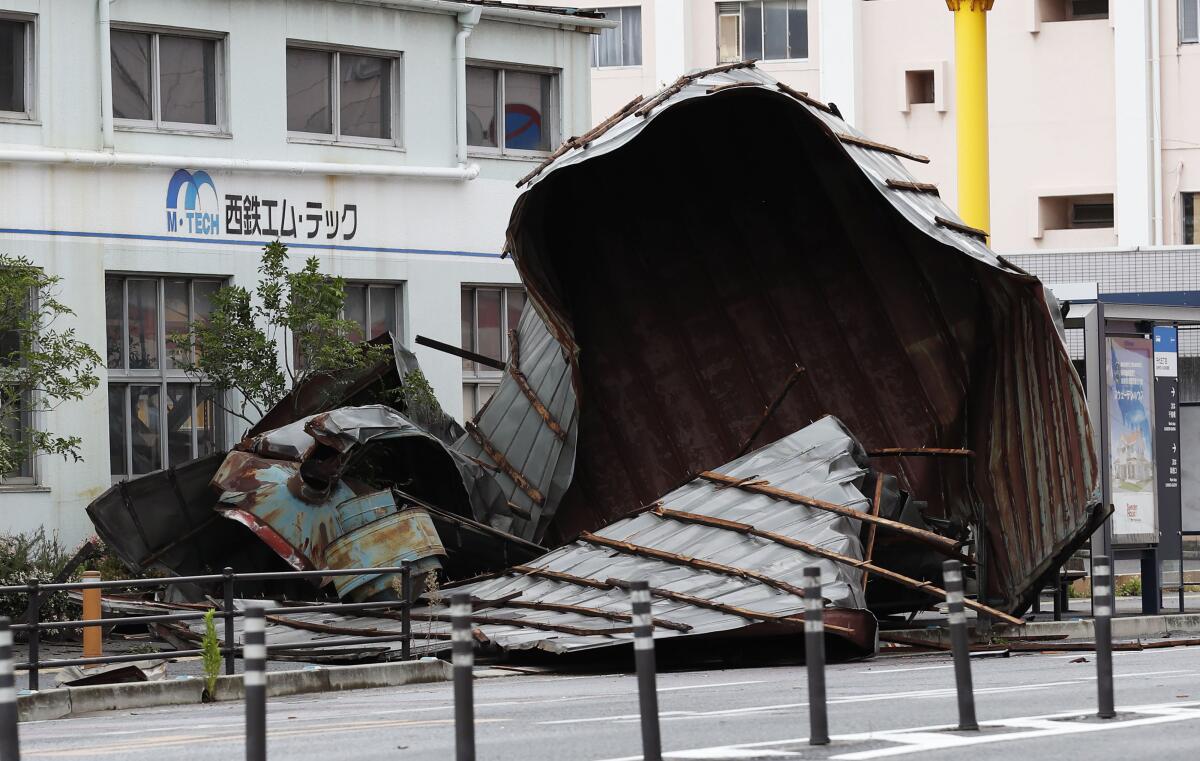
254	679
643	650
464	664
959	643
227	613
1102	608
10	747
814	656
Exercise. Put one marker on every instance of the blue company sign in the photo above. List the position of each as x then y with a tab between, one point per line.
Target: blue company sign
193	206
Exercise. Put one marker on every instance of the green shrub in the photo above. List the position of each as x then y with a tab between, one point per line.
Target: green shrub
1131	587
211	647
24	557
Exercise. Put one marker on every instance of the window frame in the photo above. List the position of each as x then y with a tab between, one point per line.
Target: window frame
29	419
477	376
1073	223
1183	38
161	377
156	123
500	151
29	115
1187	198
594	54
401	327
740	16
335	136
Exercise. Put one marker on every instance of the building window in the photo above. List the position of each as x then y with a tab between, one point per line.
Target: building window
16	67
376	308
621	46
158	416
1191	224
16	414
488	313
1071	10
341	95
768	30
919	87
527	99
168	81
1189	21
1088	213
1076	212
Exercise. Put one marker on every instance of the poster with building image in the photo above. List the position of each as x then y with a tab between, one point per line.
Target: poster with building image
1131	439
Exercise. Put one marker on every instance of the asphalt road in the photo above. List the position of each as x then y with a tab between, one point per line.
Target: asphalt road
1032	706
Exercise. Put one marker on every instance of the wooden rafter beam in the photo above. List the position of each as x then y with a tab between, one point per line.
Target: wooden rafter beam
937	541
503	464
812	549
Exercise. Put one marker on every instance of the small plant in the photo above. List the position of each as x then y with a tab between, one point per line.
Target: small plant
433	593
211	647
1074	592
1131	587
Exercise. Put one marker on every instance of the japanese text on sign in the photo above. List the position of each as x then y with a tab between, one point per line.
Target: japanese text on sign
251	215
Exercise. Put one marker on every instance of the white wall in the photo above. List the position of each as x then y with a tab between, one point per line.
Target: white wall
432	235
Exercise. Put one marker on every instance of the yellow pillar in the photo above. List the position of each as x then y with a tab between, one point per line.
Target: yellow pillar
971	105
93	642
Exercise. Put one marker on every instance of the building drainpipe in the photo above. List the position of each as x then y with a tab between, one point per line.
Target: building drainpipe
106	96
970	73
466	23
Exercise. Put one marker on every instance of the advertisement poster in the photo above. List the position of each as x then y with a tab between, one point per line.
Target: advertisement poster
1189	446
1131	439
1166	442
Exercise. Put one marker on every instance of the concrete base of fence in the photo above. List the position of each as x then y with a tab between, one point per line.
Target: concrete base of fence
74	701
1123	628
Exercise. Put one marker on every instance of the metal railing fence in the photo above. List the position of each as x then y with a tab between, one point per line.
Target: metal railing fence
34	626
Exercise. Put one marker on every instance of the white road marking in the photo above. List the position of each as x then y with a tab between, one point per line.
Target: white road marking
911	694
911	668
924	739
719	684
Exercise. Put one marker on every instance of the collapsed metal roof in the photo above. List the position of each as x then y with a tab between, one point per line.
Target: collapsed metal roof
747	230
717	557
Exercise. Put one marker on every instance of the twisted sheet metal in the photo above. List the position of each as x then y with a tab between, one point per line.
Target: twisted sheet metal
753	230
527	441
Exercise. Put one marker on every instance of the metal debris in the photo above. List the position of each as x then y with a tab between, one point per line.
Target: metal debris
797	273
800	243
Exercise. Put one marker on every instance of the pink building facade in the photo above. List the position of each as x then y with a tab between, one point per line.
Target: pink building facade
1094	127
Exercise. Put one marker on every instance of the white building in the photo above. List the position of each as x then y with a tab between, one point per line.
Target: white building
149	148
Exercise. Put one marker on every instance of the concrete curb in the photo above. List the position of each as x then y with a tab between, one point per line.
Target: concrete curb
1125	627
74	701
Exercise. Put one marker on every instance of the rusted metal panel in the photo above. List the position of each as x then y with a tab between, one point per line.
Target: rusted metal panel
680	325
164	521
402	535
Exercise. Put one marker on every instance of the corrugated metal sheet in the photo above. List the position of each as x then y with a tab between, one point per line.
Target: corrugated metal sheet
823	461
747	229
541	448
705	580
